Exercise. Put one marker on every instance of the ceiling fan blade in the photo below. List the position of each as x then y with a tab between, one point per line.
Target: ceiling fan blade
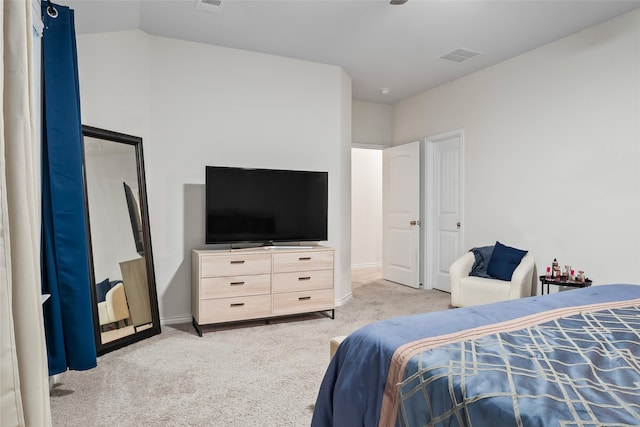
397	2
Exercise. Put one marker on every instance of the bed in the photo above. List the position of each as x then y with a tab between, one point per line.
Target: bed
566	359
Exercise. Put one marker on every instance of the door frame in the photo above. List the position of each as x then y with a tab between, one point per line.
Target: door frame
430	182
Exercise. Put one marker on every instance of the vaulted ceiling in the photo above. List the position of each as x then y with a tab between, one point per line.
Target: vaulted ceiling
398	47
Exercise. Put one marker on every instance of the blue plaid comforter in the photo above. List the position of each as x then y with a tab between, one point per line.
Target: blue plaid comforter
576	370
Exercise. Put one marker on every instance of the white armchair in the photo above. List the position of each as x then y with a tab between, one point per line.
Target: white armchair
470	290
114	308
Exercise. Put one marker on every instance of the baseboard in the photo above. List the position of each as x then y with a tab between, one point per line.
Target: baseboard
366	265
342	301
175	320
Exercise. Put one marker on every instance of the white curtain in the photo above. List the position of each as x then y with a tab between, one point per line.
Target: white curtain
24	390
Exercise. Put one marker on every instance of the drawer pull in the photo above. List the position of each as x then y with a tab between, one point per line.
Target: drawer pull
236	283
304	258
237	262
304	278
237	304
304	298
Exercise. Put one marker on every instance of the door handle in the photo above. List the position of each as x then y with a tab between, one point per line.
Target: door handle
414	222
458	225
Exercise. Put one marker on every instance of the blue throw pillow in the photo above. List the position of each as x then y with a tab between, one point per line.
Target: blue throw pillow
102	288
504	260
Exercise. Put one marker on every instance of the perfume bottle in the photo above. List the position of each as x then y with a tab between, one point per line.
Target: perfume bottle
555	267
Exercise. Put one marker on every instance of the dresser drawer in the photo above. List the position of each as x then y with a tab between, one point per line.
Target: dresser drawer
302	281
235	286
303	301
235	264
231	309
301	261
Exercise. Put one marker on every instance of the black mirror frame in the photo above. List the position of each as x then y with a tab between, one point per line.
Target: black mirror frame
136	142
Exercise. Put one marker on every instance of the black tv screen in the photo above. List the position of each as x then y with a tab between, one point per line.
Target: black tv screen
265	205
134	216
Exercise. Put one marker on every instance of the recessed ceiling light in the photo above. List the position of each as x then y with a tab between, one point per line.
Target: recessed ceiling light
385	91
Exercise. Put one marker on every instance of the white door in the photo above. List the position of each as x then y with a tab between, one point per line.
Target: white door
446	199
401	214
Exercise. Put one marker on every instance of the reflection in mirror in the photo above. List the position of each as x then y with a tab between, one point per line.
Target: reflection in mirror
120	246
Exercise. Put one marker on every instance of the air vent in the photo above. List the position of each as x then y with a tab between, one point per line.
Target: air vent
460	55
209	5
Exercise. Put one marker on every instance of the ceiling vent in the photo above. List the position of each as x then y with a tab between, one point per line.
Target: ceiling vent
213	6
460	55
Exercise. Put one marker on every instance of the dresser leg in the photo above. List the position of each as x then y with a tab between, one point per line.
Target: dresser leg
332	315
197	327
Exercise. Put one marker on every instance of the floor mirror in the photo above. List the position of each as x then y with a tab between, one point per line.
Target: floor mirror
123	289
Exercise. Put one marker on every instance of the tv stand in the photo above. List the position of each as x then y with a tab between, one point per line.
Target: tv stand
253	283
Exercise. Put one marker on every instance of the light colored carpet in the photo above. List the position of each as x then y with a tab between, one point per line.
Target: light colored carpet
253	374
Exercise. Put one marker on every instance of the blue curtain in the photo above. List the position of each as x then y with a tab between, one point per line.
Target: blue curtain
65	264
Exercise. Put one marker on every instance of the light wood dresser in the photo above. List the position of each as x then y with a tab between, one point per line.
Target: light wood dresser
136	287
237	285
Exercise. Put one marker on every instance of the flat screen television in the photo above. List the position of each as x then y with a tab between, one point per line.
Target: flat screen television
265	206
134	216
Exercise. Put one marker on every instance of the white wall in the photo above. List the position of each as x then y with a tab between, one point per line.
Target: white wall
197	105
372	126
372	123
552	149
342	186
366	207
114	71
